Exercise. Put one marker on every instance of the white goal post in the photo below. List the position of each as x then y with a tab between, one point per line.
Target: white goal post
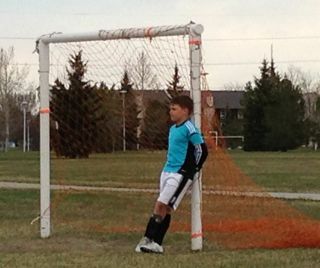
192	30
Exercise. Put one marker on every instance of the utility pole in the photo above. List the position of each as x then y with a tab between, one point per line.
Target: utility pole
123	93
28	135
24	106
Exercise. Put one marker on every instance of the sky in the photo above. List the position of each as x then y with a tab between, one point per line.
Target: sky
238	34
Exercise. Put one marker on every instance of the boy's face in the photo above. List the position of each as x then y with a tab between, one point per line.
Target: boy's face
178	114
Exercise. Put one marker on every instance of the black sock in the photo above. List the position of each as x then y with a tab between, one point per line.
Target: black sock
153	228
163	229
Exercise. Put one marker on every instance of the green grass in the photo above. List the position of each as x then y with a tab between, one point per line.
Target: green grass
114	169
293	171
102	258
18	166
77	242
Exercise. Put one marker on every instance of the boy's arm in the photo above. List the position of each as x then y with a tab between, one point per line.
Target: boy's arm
201	153
201	150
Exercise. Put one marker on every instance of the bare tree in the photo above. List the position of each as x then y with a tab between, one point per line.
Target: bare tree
310	86
305	80
143	78
142	75
12	80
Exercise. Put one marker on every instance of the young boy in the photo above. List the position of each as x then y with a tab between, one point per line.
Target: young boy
186	154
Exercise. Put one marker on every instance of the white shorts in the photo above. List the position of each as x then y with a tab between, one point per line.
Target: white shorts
173	187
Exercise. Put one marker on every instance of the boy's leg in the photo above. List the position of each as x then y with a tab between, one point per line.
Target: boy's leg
156	229
177	192
154	224
180	192
171	187
160	220
164	226
159	223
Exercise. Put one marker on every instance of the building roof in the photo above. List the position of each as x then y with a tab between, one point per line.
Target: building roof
222	98
227	99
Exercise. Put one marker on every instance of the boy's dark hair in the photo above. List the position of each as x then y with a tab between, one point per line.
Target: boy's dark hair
184	102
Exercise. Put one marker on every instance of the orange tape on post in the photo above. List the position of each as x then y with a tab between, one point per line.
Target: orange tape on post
147	32
195	235
194	42
45	110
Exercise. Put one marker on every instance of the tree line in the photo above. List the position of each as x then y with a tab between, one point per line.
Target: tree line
275	116
15	95
91	118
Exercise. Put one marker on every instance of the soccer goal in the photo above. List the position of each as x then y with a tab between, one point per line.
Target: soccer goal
159	61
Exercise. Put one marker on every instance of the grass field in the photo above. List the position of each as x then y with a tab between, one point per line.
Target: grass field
294	171
82	235
78	243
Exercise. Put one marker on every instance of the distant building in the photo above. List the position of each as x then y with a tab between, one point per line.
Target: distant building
222	100
225	100
215	103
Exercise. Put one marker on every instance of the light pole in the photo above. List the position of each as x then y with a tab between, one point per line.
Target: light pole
123	93
24	106
28	135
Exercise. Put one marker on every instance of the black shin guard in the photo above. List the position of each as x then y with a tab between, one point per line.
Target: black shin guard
153	227
163	229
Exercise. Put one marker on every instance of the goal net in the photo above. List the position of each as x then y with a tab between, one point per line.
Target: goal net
104	130
108	92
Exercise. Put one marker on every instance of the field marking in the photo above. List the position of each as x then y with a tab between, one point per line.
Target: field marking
280	195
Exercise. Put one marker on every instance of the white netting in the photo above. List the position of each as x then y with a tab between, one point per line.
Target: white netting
96	115
150	62
91	118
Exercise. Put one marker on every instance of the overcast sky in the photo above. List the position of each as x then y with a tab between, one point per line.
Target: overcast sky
238	33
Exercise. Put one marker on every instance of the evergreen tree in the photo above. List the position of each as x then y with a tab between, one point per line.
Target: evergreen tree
156	123
131	112
74	110
274	112
110	136
255	99
174	87
109	128
284	117
155	126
